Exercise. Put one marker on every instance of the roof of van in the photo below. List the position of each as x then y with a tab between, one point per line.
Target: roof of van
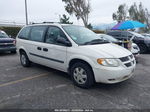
53	24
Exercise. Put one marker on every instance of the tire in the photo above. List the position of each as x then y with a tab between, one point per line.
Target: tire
143	48
25	62
82	75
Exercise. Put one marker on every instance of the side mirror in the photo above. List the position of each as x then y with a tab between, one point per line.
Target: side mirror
51	34
63	41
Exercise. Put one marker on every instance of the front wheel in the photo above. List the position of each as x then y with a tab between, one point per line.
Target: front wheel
82	75
24	59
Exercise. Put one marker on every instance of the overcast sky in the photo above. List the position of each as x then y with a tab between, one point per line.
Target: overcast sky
49	10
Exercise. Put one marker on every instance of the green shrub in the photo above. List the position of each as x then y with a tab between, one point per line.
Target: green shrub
13	31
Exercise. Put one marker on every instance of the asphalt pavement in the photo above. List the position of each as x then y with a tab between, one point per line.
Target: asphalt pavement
39	87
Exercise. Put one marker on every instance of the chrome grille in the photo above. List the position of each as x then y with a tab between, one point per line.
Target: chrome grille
6	44
128	64
131	56
123	59
128	61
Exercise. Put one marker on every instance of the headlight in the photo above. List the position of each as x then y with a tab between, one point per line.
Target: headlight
108	62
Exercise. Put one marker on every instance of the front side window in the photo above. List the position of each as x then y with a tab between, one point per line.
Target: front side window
53	34
37	33
136	34
24	34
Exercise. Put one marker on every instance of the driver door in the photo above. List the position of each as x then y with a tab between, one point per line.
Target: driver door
55	52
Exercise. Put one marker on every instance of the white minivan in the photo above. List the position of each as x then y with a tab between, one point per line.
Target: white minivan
77	51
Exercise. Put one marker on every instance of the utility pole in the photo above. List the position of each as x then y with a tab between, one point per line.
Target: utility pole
26	12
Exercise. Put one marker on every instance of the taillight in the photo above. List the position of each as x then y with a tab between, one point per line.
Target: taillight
14	42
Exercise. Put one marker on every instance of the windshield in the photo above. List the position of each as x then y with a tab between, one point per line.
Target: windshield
146	35
82	35
3	35
109	38
137	35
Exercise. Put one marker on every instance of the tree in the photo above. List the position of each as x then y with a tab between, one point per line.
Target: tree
89	26
139	13
80	8
135	12
148	19
65	20
121	14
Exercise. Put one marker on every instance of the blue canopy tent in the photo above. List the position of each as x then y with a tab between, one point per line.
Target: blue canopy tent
125	25
128	25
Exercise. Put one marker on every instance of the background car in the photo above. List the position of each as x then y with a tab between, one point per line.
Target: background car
134	48
146	35
7	43
140	40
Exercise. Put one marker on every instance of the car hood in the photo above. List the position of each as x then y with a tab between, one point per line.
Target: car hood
6	40
109	50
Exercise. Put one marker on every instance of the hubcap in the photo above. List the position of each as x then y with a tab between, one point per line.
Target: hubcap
80	75
23	59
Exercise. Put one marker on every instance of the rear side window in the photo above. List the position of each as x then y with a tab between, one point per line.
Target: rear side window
37	33
24	34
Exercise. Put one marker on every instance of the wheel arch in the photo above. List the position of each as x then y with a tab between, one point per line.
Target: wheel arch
75	60
21	49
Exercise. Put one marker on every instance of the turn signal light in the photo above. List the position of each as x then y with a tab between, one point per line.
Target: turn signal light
100	61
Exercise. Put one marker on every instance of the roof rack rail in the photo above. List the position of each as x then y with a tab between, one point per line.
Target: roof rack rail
51	22
46	22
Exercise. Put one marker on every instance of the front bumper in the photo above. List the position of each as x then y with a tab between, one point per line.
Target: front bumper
3	49
136	55
113	75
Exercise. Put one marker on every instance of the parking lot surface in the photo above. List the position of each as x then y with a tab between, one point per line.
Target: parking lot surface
39	87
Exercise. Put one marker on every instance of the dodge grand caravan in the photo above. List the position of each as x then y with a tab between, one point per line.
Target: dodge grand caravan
77	51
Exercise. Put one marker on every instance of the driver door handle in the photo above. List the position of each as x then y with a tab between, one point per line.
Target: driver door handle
39	48
45	49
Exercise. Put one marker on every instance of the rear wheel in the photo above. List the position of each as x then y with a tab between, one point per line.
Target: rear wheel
82	75
24	59
143	48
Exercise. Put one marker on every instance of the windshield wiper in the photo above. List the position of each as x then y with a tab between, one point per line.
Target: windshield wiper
96	41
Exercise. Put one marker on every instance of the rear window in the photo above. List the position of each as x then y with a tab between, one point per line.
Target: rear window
24	34
37	33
